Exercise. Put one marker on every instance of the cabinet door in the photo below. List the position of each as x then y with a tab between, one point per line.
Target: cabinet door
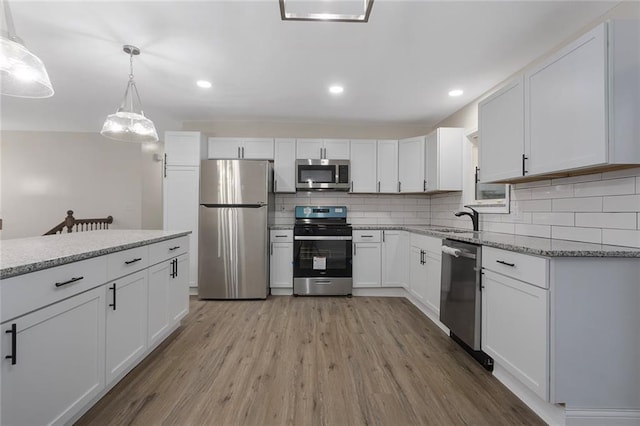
433	265
158	298
225	148
387	166
257	149
59	365
309	148
126	305
366	265
566	107
432	163
178	290
501	133
336	149
515	324
411	157
183	148
181	200
284	166
418	271
281	262
363	163
395	259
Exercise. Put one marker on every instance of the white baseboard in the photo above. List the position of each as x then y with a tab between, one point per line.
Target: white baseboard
193	291
282	291
589	417
380	292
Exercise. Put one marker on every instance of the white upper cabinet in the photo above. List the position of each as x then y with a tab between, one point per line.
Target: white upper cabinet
284	166
363	165
387	166
332	149
501	133
241	148
443	160
184	148
411	159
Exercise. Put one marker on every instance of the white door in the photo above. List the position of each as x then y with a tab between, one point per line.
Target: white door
281	263
158	299
182	148
225	148
336	149
515	324
363	161
566	107
309	148
284	166
257	149
432	163
411	164
387	167
433	265
178	290
395	259
181	200
126	323
59	364
366	265
501	133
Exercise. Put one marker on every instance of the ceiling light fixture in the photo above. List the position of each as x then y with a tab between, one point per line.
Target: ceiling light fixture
336	90
455	92
23	74
328	10
129	123
204	84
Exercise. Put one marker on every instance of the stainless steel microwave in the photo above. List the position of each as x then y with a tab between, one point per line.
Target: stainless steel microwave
322	175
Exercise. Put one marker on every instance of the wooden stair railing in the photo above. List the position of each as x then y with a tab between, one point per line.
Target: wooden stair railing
71	222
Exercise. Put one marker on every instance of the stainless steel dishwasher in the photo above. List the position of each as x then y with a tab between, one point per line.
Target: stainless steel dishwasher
461	296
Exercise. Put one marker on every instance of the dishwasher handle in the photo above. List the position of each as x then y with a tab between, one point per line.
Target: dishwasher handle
455	252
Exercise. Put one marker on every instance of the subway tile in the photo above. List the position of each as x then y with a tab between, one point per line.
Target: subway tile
506	228
414	221
533	230
621	173
638	185
607	220
622	203
577	179
579	204
516	217
562	219
534	184
618	237
622	186
534	205
587	235
554	191
521	194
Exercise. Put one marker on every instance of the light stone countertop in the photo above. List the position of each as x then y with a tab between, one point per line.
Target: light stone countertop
519	243
23	255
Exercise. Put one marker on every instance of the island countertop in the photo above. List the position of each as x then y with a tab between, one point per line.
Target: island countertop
23	255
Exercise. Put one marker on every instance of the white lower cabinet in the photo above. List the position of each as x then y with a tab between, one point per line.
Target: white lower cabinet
59	360
281	259
425	270
178	290
418	274
395	258
433	265
126	305
366	265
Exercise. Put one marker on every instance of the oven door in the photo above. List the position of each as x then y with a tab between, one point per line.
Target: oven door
322	256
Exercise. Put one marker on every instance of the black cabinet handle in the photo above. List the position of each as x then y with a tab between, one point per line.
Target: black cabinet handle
113	305
524	158
378	186
383	236
174	248
14	340
399	186
129	262
165	165
506	263
477	177
175	274
71	281
243	152
424	186
239	152
173	269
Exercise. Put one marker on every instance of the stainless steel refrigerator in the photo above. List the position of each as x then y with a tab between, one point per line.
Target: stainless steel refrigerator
236	208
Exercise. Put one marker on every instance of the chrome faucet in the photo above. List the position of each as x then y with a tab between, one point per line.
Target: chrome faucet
474	217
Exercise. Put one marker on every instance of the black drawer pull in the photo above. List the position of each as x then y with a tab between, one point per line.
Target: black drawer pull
113	305
506	263
174	248
14	340
281	236
71	281
129	262
366	236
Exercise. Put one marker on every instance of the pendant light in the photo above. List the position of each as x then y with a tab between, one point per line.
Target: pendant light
129	123
22	74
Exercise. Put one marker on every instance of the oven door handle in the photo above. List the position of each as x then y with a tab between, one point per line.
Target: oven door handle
324	238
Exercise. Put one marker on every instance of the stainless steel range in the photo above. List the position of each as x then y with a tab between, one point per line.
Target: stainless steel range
322	251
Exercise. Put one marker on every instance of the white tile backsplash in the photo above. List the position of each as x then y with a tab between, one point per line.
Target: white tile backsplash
555	191
621	203
578	204
607	220
548	218
620	186
587	235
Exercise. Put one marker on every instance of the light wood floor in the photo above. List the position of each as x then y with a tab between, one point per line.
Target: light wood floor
309	361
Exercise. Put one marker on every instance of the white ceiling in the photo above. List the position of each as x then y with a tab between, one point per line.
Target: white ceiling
396	69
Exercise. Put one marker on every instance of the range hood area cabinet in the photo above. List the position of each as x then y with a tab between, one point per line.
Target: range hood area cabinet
319	149
573	113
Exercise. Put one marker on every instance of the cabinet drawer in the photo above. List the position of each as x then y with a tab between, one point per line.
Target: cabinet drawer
126	262
531	269
164	250
367	236
28	292
281	236
427	243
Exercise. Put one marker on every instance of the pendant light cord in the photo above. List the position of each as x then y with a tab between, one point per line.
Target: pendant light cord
11	30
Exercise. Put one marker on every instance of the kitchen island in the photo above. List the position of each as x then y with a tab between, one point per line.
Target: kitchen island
79	311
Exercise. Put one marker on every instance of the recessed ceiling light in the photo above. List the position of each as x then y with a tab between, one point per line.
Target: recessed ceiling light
336	90
204	84
456	92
